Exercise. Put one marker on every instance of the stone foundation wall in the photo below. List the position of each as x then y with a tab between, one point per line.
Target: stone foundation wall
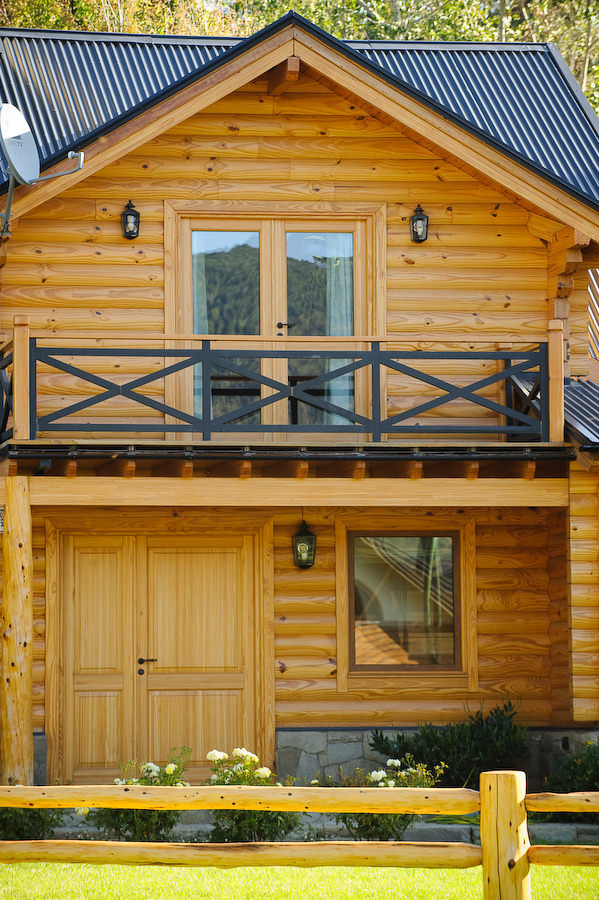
306	753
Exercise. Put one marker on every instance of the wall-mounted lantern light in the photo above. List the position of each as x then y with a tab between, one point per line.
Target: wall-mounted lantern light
419	225
304	547
130	222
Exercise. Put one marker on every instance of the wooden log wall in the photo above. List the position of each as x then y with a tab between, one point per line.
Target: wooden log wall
586	279
584	591
521	607
483	270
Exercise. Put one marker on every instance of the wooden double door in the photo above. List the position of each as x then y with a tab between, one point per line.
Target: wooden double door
158	650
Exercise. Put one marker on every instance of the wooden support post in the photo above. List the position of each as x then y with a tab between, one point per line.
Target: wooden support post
556	380
16	623
504	836
20	379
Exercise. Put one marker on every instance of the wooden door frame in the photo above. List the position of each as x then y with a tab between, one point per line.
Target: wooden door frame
257	525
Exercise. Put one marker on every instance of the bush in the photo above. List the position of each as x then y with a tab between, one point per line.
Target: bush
144	824
237	825
29	824
575	773
467	748
383	826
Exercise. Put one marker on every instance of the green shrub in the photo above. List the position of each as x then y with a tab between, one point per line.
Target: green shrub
383	826
237	825
144	824
29	824
467	748
575	773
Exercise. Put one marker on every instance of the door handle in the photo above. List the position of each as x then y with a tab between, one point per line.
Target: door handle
285	324
141	660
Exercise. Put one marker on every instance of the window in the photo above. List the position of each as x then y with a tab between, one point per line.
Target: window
406	601
403	589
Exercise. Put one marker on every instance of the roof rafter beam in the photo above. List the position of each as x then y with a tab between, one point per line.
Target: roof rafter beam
283	75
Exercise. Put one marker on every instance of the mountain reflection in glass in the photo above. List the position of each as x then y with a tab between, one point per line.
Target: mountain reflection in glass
320	301
226	300
403	601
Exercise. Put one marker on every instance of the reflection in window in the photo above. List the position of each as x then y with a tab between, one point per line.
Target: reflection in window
320	301
226	300
403	600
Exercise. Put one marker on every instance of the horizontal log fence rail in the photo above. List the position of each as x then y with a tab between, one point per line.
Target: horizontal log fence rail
289	386
505	852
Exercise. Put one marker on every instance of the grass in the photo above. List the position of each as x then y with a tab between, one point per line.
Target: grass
67	882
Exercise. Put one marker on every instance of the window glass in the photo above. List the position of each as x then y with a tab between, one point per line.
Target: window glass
320	301
403	600
226	282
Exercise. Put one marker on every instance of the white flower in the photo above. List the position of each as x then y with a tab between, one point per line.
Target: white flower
247	755
390	783
315	781
214	779
216	756
150	769
263	772
279	784
83	811
120	781
376	776
382	784
170	768
394	763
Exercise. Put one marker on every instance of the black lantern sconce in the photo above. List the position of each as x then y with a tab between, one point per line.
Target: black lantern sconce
419	226
130	222
304	547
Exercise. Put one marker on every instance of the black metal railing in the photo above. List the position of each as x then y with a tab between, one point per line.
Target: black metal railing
329	391
5	395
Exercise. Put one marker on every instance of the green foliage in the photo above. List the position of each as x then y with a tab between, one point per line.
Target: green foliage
233	825
29	824
575	773
397	773
144	824
467	748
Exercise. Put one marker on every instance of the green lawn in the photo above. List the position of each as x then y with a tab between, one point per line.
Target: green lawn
38	880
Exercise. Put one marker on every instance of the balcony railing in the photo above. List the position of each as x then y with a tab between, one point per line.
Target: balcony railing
304	387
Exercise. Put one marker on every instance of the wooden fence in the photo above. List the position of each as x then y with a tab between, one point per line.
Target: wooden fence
505	852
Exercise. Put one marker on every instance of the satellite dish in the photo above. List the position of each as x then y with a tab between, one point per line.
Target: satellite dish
18	145
19	148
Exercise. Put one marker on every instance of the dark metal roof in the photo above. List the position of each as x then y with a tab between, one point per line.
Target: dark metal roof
521	98
581	410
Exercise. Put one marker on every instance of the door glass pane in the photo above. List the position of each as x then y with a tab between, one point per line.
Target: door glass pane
226	300
320	301
403	587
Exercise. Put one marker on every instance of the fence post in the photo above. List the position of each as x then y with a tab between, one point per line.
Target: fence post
20	379
504	836
555	352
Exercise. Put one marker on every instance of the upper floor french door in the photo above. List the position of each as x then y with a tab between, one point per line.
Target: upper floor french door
280	285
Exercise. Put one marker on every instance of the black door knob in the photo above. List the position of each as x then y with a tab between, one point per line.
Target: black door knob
141	660
140	671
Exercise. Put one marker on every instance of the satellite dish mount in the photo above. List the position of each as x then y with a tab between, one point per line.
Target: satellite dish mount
19	148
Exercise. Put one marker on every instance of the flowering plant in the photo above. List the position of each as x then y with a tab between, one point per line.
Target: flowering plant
235	825
144	824
397	773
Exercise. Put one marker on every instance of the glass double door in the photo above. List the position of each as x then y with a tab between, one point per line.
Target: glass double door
275	279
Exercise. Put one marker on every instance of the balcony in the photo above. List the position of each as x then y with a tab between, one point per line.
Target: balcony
207	389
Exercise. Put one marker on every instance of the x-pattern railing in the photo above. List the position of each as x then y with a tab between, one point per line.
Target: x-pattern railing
5	395
245	372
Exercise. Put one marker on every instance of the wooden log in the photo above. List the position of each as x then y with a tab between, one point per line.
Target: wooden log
556	380
16	725
577	801
504	836
224	856
560	855
437	801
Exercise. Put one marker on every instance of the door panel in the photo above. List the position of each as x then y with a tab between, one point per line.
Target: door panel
98	642
188	603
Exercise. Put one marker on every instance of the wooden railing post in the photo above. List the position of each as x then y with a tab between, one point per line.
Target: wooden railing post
16	628
504	836
555	352
20	379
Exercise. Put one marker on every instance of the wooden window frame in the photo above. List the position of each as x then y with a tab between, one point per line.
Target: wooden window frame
461	677
367	220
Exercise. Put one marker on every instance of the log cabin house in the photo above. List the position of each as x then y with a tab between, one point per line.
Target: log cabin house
279	338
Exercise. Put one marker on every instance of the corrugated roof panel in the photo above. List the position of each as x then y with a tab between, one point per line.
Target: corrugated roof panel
517	95
74	86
